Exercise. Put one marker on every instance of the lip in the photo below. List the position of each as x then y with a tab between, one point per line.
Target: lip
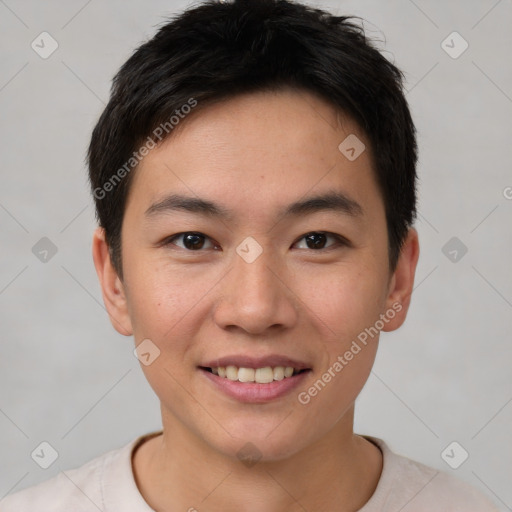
252	392
244	361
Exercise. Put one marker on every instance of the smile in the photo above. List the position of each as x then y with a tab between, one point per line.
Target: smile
254	385
263	375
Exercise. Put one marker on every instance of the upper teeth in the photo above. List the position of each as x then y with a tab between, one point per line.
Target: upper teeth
259	375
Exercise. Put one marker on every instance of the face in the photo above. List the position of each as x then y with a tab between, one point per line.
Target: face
245	269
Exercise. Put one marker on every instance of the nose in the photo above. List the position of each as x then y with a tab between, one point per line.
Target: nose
255	297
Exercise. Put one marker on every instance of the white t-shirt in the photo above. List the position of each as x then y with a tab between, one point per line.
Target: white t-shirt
107	484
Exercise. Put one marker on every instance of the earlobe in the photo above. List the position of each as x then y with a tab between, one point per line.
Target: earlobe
402	281
112	288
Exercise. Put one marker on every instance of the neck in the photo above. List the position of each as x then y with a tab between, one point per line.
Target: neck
179	471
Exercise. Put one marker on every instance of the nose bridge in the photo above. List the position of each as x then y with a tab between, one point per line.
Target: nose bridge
255	273
254	280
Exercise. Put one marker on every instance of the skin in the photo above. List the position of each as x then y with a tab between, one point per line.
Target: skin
255	154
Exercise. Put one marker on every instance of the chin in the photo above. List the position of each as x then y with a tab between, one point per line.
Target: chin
266	443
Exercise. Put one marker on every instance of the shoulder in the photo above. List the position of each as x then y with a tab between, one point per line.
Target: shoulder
74	489
411	486
83	489
433	487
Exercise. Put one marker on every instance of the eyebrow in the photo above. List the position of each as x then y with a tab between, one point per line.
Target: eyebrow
329	201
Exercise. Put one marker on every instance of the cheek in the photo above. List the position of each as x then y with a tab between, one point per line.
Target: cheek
346	305
344	300
161	308
160	298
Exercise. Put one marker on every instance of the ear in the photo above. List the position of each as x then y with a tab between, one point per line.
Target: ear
112	287
402	282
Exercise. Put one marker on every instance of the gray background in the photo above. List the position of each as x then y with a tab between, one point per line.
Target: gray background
68	378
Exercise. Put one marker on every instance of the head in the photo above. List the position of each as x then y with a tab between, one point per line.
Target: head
254	180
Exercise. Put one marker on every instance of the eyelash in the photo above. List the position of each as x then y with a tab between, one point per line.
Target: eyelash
340	241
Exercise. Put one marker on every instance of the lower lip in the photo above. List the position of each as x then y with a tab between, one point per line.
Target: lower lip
253	392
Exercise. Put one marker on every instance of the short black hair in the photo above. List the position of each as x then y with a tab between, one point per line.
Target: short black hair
216	50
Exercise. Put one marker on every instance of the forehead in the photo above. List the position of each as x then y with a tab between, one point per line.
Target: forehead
257	150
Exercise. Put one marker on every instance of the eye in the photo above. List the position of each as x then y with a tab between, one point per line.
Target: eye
195	241
192	240
316	240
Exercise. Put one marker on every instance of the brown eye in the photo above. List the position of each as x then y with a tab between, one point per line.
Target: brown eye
316	240
192	241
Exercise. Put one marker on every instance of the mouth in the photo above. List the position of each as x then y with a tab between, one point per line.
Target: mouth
264	375
257	380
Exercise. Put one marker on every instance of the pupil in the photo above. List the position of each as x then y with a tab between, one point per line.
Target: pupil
313	238
193	241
